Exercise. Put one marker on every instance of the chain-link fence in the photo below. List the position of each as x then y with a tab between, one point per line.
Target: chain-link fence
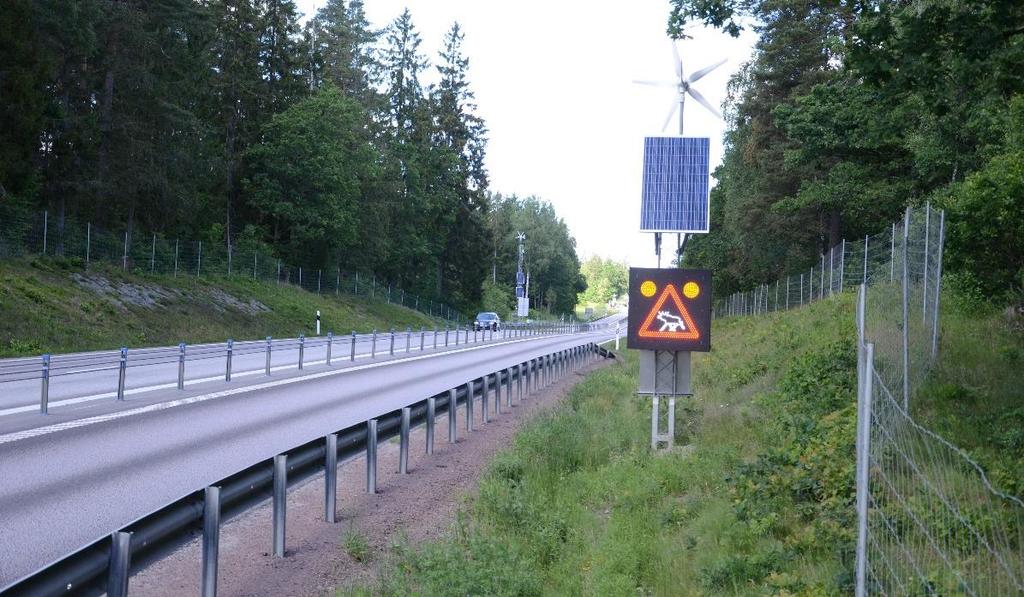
141	252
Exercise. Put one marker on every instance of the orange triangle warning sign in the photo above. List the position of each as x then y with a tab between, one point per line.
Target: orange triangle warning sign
662	323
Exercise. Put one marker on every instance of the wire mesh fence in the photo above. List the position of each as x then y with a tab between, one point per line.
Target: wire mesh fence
929	520
42	234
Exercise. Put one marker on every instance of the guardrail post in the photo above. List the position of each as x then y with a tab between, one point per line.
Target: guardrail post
497	392
373	345
302	349
391	349
120	562
446	335
280	502
457	330
423	337
44	398
519	381
408	338
403	442
431	414
211	540
453	433
121	372
485	416
330	343
435	336
469	405
331	477
371	456
474	335
508	386
227	363
352	355
268	355
181	366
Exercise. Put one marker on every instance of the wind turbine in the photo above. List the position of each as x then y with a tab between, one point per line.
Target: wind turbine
684	86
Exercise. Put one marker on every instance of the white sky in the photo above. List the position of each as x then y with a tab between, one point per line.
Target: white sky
553	81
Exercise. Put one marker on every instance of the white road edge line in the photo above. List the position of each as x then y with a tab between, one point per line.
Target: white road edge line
39	431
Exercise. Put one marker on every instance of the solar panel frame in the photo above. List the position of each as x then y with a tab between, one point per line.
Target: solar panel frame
676	185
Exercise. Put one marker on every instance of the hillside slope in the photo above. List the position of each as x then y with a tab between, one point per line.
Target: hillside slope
47	306
760	501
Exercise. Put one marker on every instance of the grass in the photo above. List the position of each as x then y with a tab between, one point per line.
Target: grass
761	502
42	309
356	545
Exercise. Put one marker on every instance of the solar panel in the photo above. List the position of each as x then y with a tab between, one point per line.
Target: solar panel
675	189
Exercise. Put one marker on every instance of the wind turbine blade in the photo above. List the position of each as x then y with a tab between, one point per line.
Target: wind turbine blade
657	83
671	113
707	69
679	61
700	99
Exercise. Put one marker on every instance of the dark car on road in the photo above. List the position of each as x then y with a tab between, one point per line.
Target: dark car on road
487	321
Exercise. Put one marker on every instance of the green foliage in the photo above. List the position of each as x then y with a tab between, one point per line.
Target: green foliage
356	545
497	298
849	112
606	280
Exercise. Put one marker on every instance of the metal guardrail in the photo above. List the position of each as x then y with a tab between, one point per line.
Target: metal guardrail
105	565
119	363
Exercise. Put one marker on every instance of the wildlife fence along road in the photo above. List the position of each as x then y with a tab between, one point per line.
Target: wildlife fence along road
59	496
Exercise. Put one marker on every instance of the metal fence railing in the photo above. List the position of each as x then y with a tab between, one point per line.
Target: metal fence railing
137	251
929	520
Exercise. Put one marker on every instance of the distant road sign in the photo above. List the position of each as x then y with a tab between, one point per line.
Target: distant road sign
675	196
669	309
520	278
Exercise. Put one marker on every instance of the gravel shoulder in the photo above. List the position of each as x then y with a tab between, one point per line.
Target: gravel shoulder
411	508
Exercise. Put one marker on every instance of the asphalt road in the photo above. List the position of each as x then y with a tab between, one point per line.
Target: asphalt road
69	484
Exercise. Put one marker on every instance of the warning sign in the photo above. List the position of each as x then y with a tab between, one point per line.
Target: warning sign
669	309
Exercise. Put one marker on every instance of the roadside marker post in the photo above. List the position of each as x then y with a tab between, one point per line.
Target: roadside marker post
121	372
44	399
227	363
453	432
181	366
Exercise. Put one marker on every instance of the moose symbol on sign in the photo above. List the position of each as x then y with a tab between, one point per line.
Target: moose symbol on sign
669	322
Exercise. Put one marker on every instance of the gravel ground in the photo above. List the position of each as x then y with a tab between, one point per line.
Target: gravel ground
316	563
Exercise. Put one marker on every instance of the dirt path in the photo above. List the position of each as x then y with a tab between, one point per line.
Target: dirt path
416	507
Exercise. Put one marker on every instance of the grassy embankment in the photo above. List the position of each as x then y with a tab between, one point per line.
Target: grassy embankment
50	306
760	503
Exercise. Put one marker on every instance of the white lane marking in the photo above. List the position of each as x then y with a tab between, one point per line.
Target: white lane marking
38	431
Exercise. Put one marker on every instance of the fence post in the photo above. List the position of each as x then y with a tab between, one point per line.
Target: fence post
300	277
199	263
152	257
280	502
906	318
331	477
211	540
88	242
278	272
254	264
821	286
229	260
924	282
319	277
124	256
938	285
842	265
863	454
175	258
865	278
46	226
892	255
787	292
831	258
